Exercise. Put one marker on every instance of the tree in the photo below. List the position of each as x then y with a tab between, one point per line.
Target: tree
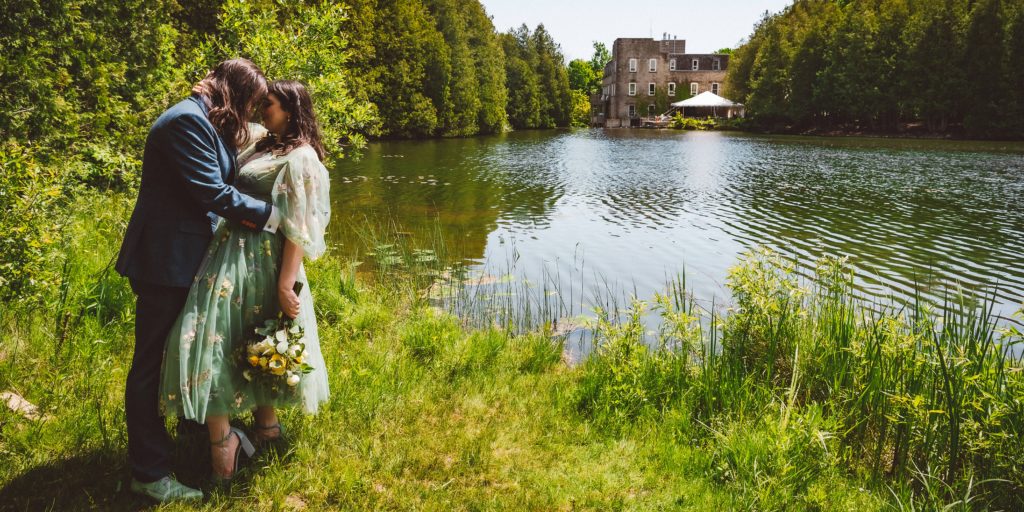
580	108
1015	72
983	63
808	62
768	81
524	91
555	102
581	76
600	59
935	90
489	59
849	88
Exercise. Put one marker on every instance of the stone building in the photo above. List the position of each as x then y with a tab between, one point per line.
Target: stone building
644	72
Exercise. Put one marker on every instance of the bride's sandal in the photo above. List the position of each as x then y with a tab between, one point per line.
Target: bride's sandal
269	433
244	445
270	436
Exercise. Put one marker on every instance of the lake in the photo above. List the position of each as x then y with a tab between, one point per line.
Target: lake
587	212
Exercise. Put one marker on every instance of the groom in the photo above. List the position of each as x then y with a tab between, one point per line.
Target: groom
187	170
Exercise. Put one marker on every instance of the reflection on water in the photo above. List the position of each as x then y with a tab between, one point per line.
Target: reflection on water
634	206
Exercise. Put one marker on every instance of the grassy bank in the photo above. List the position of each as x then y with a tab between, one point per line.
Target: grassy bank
796	398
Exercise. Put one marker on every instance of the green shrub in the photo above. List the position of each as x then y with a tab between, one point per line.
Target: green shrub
32	216
624	379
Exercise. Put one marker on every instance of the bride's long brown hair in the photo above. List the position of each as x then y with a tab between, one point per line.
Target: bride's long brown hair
231	91
302	126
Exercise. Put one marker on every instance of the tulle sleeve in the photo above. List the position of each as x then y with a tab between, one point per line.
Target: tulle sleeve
302	196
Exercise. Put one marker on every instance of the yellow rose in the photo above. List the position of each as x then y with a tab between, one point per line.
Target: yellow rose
254	360
277	364
263	362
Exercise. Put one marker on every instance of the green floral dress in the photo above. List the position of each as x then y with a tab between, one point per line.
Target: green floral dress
235	291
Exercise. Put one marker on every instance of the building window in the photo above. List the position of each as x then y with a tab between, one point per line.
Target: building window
650	89
652	65
671	64
632	88
671	88
714	87
632	111
650	110
695	65
632	65
693	88
716	64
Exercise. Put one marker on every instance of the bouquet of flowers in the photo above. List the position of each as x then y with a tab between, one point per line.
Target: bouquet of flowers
276	357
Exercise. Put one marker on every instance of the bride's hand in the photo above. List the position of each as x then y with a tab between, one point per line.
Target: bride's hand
288	301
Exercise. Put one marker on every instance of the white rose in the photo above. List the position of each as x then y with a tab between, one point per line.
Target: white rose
293	380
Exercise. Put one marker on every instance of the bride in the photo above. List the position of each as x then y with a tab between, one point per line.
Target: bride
246	278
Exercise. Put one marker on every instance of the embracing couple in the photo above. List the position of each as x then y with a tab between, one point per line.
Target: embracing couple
226	212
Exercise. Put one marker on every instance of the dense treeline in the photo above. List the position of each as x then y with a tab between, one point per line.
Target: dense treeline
955	66
439	68
81	81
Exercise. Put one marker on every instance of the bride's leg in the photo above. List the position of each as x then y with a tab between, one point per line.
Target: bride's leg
268	428
222	446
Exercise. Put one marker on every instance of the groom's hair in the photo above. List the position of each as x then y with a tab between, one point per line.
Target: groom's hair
231	91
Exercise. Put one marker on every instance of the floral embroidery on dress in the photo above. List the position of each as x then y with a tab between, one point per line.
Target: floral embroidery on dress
225	288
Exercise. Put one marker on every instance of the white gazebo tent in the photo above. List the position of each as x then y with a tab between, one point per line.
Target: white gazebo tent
710	100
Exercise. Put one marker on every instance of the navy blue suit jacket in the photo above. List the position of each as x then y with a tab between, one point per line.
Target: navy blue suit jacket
187	169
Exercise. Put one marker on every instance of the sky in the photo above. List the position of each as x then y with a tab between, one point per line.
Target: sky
706	25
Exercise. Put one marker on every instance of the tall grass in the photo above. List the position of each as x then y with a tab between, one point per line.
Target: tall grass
928	397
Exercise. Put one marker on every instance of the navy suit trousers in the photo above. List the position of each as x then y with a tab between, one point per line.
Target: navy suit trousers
149	447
